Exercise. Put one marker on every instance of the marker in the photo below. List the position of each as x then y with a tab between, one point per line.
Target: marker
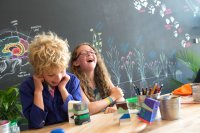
161	87
146	91
136	91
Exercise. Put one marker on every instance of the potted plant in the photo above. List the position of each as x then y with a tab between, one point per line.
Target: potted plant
10	106
191	60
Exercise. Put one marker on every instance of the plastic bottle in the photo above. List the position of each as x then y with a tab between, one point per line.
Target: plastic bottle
14	128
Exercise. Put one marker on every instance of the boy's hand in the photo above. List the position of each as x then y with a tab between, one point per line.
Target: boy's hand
38	83
63	82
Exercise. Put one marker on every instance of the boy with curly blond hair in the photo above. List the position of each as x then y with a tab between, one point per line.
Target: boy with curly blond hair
45	94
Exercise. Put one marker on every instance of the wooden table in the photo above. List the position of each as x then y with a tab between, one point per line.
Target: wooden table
189	122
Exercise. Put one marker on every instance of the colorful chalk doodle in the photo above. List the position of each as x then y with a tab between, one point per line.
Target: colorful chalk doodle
13	52
153	7
193	6
96	40
130	65
134	63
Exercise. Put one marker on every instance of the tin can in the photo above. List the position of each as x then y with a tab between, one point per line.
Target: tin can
170	107
196	91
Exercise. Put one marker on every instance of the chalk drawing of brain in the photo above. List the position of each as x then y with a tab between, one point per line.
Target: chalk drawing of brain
14	47
13	53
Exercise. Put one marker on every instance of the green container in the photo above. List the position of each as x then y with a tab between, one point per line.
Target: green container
132	102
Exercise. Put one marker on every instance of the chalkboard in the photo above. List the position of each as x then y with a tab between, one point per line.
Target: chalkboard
137	38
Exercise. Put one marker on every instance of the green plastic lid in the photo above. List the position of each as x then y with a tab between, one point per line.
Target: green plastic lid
132	100
13	123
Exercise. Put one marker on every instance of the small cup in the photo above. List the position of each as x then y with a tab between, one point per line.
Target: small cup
132	105
196	91
170	107
4	126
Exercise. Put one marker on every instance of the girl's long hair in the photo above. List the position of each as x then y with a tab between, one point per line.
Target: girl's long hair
101	75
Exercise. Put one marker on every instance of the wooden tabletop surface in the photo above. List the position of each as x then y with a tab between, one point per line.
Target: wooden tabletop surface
189	122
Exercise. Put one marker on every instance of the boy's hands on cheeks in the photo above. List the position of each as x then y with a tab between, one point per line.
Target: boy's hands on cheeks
61	86
38	98
63	82
38	83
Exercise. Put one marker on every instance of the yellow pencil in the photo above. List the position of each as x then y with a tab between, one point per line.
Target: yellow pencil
154	88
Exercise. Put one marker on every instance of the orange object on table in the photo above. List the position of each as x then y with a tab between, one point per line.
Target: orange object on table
184	90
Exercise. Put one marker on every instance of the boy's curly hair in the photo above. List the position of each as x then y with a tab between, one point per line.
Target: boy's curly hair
47	51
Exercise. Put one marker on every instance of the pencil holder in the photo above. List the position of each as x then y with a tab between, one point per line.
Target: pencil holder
141	99
155	96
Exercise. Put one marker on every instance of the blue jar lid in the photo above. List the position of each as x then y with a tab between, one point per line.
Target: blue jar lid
57	130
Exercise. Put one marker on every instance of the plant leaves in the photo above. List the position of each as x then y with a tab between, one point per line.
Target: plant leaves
10	107
190	58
